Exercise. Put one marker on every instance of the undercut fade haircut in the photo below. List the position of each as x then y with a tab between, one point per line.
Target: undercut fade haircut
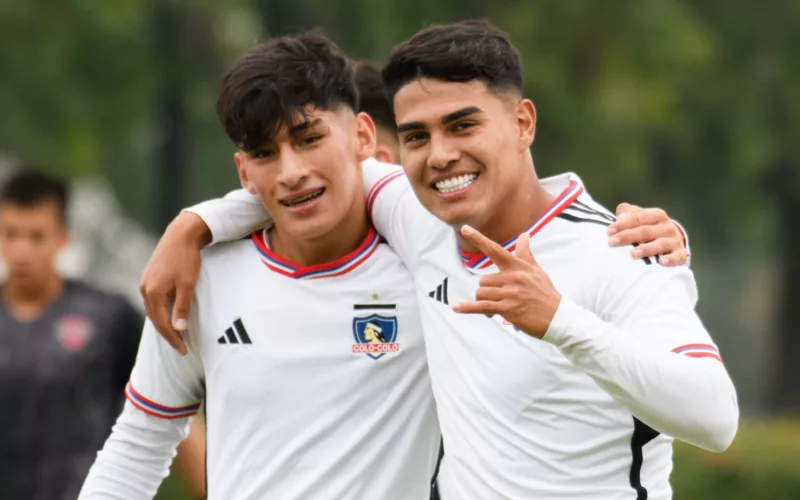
372	95
457	52
31	187
275	83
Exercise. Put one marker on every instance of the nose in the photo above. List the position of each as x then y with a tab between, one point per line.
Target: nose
19	251
443	152
293	169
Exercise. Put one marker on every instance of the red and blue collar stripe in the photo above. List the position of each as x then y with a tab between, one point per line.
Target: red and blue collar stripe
479	260
328	270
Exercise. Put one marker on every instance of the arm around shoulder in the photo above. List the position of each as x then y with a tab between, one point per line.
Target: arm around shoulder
232	217
395	210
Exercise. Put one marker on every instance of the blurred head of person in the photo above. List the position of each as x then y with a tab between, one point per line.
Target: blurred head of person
33	229
464	128
290	105
374	102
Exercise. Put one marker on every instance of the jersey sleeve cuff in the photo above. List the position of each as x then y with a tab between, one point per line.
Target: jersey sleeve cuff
158	410
566	323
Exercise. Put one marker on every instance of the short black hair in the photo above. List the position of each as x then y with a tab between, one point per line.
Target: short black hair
31	187
267	87
372	95
457	52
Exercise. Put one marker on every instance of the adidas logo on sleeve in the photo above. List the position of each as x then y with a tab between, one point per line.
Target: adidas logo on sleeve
235	337
440	293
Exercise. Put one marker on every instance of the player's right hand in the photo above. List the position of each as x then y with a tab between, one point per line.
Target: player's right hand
170	277
521	291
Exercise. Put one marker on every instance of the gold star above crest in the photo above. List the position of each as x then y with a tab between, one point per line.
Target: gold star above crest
374	296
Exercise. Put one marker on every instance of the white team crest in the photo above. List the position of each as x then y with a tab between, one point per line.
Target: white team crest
375	335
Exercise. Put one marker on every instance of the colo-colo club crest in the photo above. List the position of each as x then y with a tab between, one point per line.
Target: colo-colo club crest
375	335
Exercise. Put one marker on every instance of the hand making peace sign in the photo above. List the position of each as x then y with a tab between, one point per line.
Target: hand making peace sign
521	292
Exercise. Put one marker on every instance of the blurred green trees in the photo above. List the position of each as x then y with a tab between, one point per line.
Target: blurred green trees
679	103
85	88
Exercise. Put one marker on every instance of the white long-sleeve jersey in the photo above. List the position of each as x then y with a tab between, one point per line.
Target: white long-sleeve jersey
313	379
589	411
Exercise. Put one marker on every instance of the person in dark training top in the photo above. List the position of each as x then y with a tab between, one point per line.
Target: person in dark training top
66	350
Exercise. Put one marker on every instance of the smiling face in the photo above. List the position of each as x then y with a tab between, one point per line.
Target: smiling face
289	106
309	175
465	148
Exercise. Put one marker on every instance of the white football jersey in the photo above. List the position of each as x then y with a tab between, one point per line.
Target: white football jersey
519	420
313	380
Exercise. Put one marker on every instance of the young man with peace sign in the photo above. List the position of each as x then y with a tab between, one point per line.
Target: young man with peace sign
561	368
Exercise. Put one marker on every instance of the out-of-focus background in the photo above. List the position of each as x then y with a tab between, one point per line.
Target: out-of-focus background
693	106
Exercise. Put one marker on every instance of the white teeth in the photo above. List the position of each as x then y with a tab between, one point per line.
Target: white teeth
455	183
304	198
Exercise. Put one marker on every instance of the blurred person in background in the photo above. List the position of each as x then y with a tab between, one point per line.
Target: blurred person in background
103	249
373	101
66	350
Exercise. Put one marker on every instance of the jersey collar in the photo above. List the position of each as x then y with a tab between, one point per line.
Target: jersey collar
479	260
338	267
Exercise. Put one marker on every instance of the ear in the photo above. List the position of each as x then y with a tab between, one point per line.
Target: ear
241	167
384	154
366	136
526	121
63	238
388	148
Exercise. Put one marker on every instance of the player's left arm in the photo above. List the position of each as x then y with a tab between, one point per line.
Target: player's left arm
645	345
649	350
128	324
163	393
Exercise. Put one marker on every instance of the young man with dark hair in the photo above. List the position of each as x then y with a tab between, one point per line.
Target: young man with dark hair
305	342
66	349
564	368
374	102
563	376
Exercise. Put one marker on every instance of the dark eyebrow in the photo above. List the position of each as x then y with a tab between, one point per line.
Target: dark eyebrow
449	118
405	127
300	127
461	113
